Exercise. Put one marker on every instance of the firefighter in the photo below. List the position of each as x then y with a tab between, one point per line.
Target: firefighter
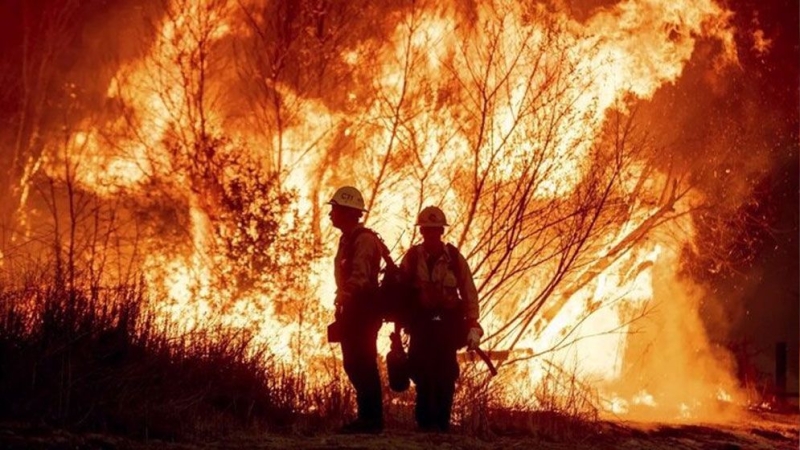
444	319
357	263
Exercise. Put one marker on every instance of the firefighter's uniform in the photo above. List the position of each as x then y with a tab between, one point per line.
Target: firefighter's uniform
356	279
447	310
356	267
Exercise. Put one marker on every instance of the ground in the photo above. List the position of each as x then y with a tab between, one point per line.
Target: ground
757	431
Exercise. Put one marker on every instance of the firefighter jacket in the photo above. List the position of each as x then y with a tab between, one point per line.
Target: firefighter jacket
442	282
357	263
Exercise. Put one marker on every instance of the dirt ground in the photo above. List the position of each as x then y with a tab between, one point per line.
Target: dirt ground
757	431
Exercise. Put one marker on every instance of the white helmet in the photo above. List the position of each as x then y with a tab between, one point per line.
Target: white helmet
431	216
349	197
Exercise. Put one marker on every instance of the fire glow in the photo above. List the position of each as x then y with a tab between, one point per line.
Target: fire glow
433	109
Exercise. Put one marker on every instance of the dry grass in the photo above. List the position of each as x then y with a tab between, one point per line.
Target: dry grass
96	360
559	408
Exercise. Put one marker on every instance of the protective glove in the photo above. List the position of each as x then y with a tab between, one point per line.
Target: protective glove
474	338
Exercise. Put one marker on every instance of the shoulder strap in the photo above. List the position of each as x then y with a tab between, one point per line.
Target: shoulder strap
385	253
453	254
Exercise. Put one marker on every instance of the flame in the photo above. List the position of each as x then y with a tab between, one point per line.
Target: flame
445	100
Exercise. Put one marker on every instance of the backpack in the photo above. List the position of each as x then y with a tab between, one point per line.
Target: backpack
394	300
394	296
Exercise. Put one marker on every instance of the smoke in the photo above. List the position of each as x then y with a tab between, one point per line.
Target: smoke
736	129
